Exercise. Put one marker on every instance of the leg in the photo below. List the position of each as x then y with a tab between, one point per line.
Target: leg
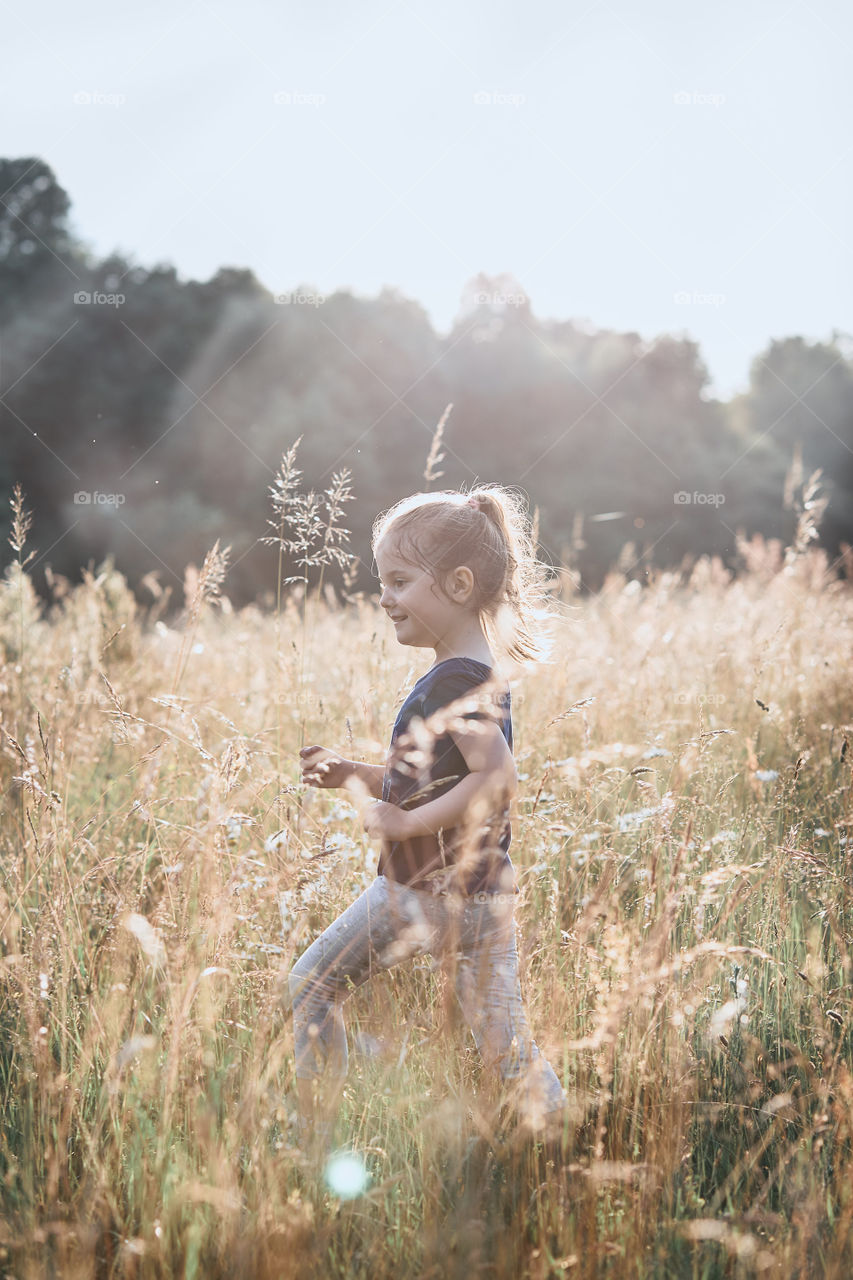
489	992
382	927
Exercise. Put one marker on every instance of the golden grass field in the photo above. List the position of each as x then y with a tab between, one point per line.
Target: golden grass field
682	841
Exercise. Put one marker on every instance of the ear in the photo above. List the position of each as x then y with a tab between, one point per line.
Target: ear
460	584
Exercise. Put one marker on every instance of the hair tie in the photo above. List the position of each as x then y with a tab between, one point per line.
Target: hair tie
475	503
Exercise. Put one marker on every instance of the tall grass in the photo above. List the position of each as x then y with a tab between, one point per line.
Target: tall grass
682	839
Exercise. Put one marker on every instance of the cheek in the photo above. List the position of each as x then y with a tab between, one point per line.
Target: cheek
417	602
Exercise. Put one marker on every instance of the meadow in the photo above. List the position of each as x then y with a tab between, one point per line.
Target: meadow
682	842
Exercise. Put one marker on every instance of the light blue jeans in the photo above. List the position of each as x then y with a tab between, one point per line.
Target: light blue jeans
390	922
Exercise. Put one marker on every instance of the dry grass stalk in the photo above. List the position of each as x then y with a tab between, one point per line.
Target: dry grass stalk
435	456
682	841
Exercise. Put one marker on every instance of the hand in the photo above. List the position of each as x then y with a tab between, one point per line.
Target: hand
324	768
388	821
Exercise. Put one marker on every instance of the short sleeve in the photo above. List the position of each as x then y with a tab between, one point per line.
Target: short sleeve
476	702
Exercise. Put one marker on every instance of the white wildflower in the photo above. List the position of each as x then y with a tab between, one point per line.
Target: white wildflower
147	937
342	843
280	840
132	1048
284	905
722	1018
627	821
342	811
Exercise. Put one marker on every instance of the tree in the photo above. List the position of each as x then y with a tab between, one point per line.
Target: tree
34	238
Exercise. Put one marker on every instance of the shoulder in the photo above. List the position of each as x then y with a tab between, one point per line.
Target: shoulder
462	678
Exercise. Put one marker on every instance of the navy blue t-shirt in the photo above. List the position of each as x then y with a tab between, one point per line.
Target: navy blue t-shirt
423	765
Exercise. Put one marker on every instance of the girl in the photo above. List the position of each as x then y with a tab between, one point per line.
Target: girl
459	575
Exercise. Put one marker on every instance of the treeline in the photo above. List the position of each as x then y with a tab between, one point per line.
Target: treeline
146	416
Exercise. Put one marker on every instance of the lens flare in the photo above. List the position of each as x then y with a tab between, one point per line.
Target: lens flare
346	1176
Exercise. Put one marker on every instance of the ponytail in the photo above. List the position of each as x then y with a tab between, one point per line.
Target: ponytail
518	619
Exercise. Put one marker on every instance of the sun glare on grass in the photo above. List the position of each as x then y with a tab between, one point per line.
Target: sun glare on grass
346	1176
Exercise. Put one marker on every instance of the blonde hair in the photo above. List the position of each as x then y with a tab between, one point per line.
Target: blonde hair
489	530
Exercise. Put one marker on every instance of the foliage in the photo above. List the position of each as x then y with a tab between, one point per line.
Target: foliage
169	401
682	844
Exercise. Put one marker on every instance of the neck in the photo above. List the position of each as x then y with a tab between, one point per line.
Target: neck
464	642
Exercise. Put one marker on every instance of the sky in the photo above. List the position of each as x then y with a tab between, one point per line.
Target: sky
653	168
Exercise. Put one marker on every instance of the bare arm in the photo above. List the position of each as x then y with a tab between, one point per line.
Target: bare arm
324	768
371	775
490	784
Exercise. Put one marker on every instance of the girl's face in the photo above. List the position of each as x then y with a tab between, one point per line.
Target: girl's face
422	614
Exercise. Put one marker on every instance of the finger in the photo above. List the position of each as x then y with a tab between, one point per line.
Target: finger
319	767
307	751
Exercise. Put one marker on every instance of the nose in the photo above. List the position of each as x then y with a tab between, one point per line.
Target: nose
384	599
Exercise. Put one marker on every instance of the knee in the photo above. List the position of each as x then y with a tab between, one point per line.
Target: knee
310	984
300	980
